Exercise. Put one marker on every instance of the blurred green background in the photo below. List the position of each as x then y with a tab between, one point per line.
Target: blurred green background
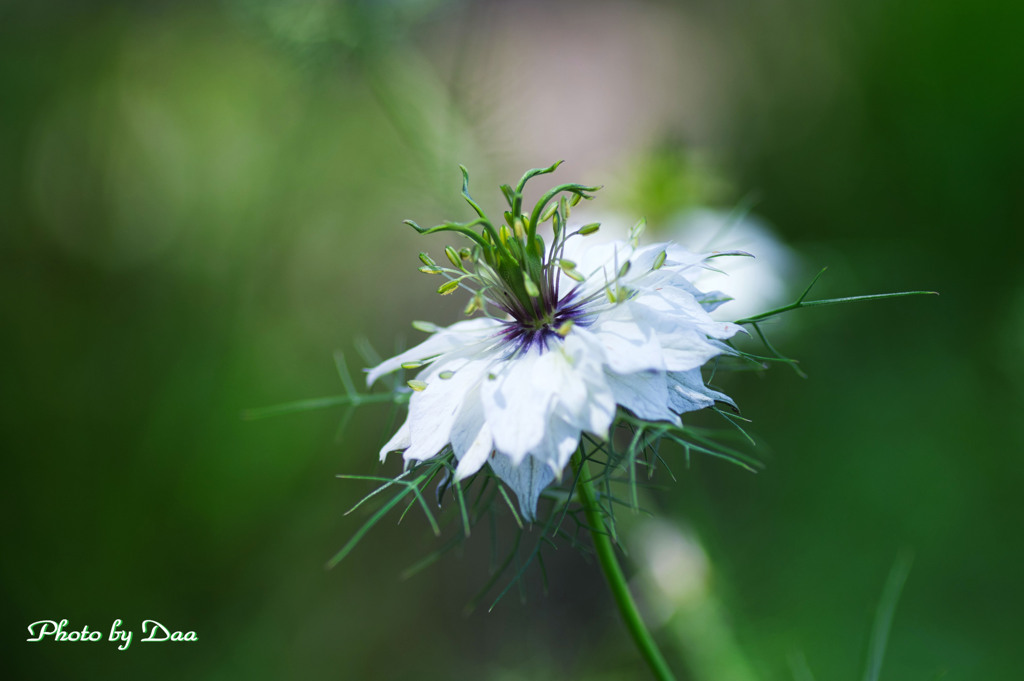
200	203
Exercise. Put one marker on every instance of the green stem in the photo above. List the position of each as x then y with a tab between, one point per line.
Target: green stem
613	573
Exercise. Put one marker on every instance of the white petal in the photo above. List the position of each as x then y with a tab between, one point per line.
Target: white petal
471	437
689	350
475	456
675	306
573	371
687	392
432	411
600	412
627	346
558	372
517	401
527	480
561	441
459	336
646	394
398	441
712	300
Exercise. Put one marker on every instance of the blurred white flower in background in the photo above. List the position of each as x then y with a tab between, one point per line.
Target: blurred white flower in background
676	581
676	564
756	284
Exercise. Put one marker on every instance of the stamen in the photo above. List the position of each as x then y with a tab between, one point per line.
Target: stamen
453	256
426	327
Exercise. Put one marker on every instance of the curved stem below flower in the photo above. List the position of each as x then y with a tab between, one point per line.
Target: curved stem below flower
613	573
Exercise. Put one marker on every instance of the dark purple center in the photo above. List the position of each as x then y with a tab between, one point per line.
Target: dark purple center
537	331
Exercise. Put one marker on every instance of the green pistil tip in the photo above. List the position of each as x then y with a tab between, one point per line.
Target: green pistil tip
508	264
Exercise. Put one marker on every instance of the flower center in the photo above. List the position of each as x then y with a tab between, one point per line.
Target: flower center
513	275
553	324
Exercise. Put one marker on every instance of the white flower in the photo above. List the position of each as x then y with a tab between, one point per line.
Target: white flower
517	391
